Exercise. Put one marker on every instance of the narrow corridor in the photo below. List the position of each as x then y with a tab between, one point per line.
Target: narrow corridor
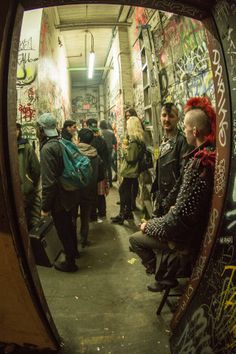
105	307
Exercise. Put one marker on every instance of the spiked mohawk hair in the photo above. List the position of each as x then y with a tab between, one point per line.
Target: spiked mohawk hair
205	105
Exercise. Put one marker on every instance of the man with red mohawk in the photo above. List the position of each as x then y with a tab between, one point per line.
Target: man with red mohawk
183	226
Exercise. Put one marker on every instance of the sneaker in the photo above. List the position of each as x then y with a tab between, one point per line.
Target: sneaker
65	266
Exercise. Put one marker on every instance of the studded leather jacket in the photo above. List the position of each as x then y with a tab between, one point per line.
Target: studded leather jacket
169	168
186	220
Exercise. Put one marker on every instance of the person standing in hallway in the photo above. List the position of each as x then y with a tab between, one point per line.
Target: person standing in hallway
132	151
170	162
183	225
55	199
29	169
88	195
100	145
110	140
131	112
69	132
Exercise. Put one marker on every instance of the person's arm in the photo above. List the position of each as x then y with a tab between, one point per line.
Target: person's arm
51	166
191	203
131	152
33	166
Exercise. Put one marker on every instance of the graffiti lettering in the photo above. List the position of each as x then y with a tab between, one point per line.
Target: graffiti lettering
221	102
194	339
211	227
26	44
220	181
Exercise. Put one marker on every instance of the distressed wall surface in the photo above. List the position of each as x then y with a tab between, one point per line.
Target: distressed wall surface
209	322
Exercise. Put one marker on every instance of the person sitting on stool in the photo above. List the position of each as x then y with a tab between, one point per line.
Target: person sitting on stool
182	227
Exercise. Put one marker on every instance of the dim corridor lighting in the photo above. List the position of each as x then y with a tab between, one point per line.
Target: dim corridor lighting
91	57
91	65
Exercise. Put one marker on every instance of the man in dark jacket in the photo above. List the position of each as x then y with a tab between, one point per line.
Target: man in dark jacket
100	145
110	140
88	195
170	163
55	199
69	132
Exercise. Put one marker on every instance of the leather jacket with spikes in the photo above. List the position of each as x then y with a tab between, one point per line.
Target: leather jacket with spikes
187	219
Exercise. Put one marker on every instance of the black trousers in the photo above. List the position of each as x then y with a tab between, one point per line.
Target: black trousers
64	223
126	194
85	211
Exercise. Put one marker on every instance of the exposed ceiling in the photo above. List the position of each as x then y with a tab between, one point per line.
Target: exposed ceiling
100	22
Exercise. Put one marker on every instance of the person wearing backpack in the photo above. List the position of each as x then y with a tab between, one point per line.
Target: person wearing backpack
55	199
88	194
132	151
69	130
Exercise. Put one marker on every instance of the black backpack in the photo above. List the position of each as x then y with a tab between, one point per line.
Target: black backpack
145	158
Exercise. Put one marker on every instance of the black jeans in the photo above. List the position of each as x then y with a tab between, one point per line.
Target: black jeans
126	194
85	211
64	223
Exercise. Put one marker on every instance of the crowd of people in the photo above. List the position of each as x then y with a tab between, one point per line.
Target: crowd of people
181	190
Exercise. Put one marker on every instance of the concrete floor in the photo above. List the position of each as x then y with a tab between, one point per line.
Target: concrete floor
105	307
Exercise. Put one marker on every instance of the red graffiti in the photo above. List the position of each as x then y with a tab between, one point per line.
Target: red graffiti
27	113
31	93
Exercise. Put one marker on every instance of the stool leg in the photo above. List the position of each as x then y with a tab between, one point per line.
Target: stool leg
163	300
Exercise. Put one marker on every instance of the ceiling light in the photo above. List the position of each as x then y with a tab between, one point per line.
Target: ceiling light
91	65
91	57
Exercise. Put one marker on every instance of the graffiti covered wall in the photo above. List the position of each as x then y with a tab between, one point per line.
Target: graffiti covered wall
53	77
209	323
42	78
27	72
183	58
85	103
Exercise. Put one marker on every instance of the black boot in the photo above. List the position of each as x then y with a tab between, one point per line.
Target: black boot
119	219
68	265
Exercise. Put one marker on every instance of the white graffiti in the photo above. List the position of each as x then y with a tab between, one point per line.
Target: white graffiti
211	228
194	338
220	180
221	102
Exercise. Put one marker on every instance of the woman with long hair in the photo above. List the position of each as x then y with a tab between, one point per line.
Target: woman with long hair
132	149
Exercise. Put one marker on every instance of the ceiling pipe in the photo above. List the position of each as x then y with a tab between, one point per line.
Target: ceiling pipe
74	26
85	68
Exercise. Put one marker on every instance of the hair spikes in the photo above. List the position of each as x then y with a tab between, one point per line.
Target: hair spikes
205	105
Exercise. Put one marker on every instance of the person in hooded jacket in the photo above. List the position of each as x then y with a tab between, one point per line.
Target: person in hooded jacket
88	195
29	169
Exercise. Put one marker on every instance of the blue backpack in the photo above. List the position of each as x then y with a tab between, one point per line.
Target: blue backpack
77	167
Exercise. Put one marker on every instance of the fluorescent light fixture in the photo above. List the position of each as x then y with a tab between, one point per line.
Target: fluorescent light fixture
91	65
